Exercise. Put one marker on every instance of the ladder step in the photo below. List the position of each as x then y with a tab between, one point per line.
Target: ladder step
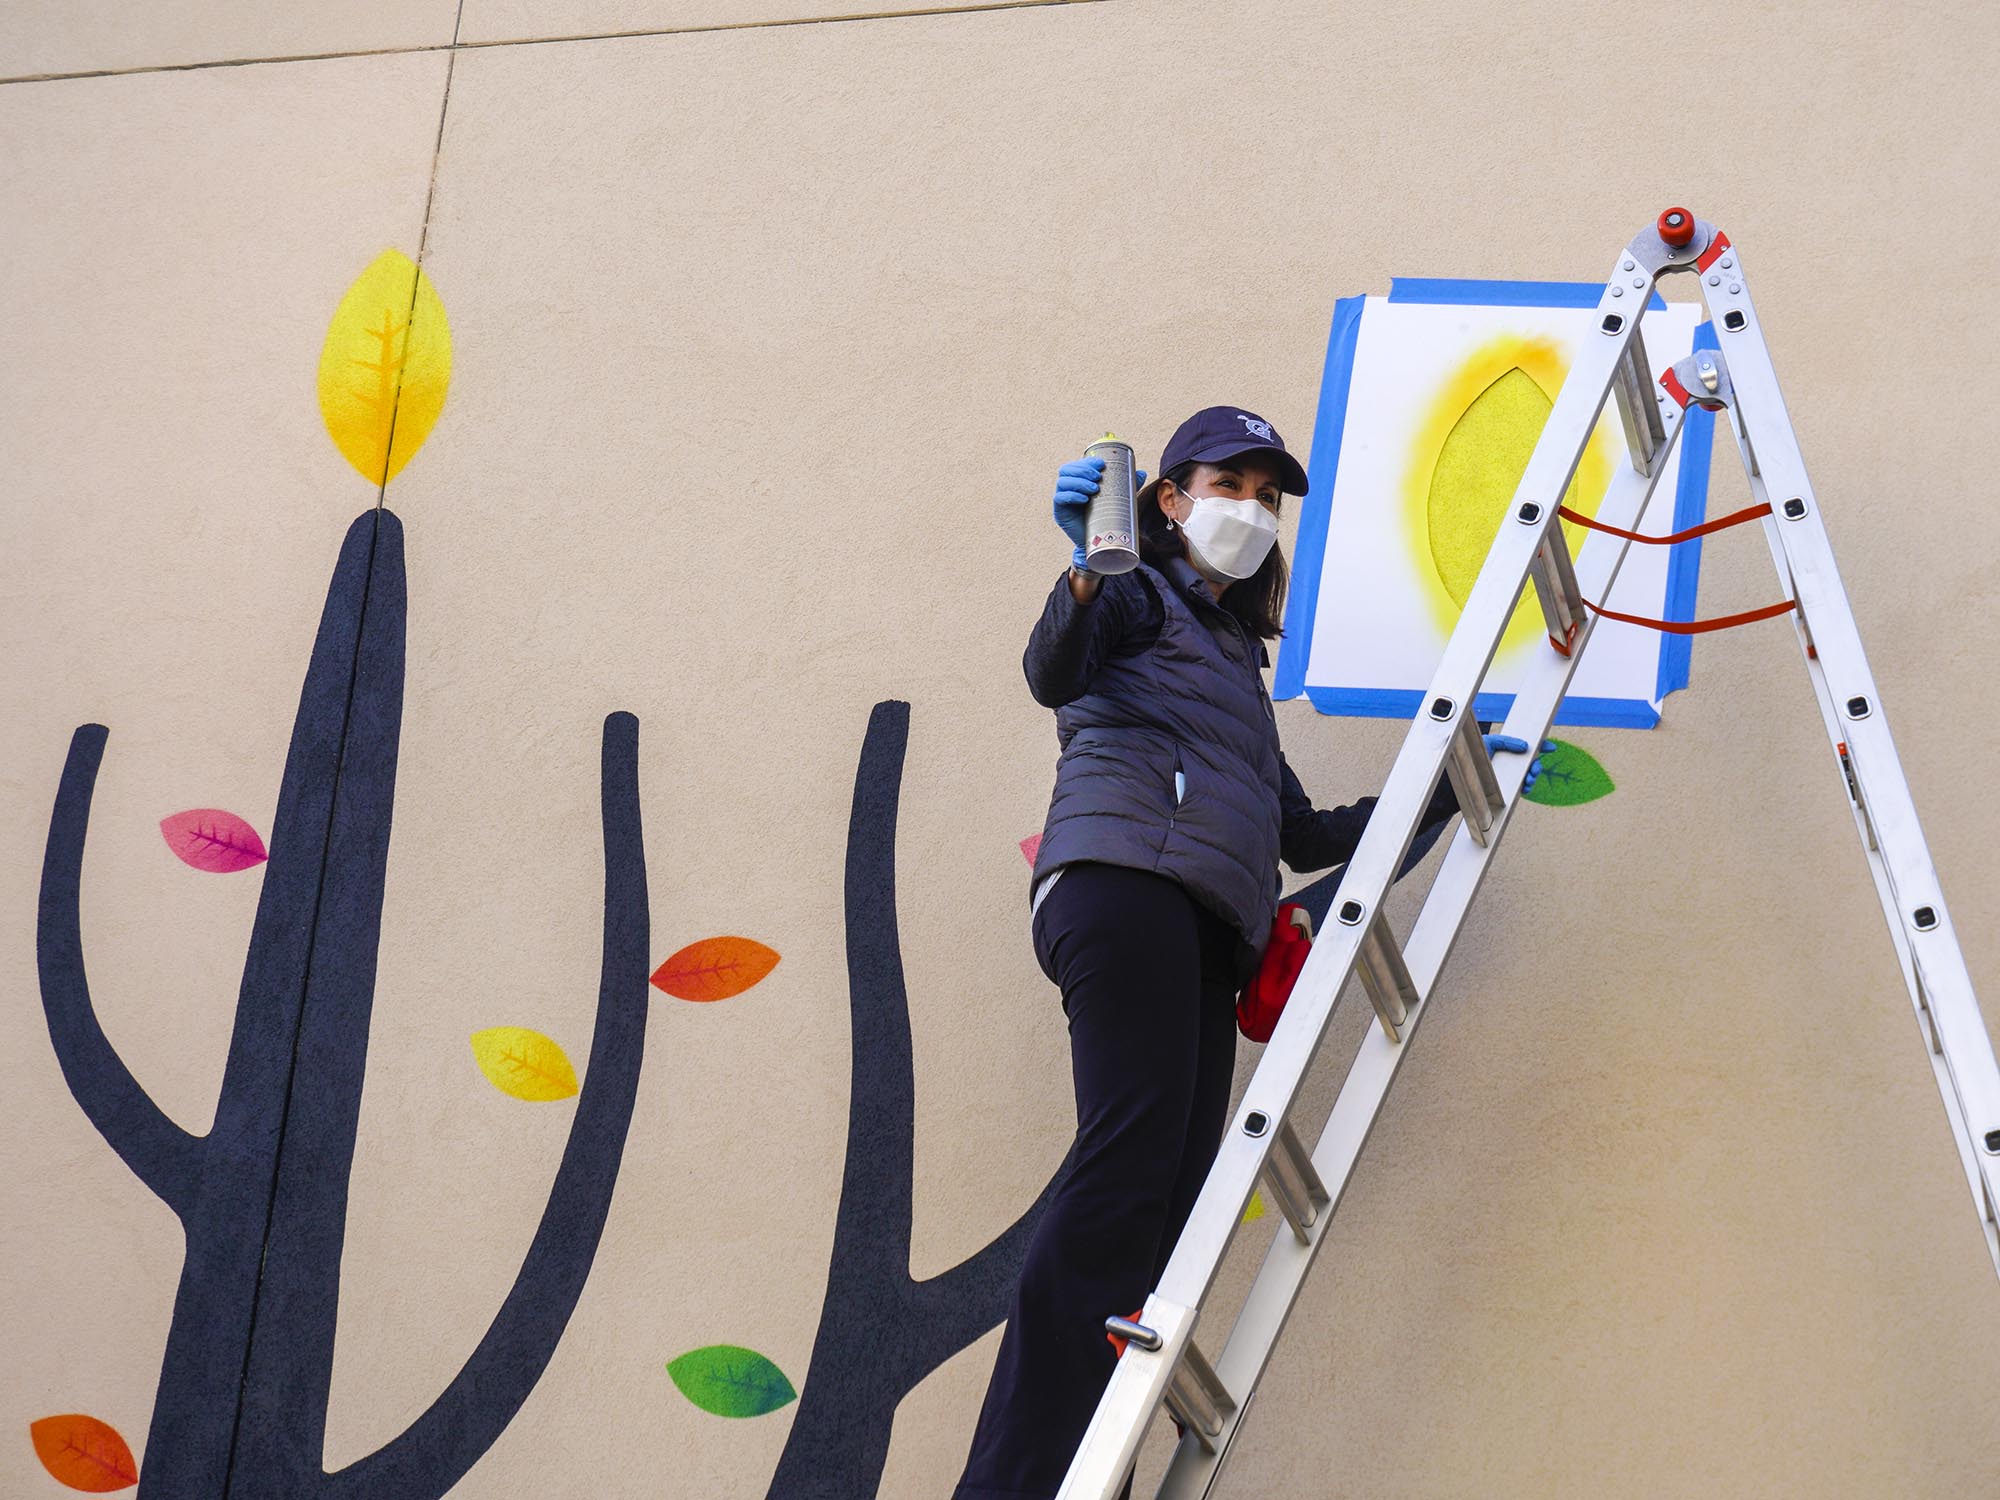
1924	1008
1294	1184
1639	406
1196	1395
1555	577
1470	770
1383	972
1854	793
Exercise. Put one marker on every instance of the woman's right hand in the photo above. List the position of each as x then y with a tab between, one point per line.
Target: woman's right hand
1076	486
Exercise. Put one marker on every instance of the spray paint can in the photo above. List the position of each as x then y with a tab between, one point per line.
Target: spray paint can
1111	524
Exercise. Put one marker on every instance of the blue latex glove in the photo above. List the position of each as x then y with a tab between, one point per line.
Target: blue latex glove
1076	485
1519	746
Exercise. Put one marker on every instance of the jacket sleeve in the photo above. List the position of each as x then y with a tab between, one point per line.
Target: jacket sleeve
1311	838
1071	640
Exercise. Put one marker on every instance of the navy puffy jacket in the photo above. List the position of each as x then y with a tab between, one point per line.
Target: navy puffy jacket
1154	677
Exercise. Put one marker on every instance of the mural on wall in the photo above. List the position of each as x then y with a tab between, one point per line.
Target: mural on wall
241	1402
1570	777
881	1331
240	1408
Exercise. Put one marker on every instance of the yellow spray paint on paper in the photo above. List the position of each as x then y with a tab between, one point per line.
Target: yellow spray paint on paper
385	367
1470	450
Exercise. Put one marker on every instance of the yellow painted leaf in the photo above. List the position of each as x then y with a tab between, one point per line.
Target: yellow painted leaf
384	367
1477	471
1256	1208
524	1063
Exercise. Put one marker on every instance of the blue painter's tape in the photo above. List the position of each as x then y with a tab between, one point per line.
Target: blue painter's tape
1367	703
1403	703
1504	293
1309	552
1684	558
1611	713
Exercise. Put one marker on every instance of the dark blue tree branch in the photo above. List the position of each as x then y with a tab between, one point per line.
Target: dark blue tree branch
240	1410
436	1450
880	1331
165	1157
955	1307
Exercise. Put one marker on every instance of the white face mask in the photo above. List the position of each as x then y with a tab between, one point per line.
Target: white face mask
1228	539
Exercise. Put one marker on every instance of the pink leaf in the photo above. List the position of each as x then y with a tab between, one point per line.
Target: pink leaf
210	839
1031	846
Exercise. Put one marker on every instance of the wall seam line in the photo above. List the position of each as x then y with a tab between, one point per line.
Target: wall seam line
423	245
456	46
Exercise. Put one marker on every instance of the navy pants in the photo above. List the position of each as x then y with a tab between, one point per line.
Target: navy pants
1148	986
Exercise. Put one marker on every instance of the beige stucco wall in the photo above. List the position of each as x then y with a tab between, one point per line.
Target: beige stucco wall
766	341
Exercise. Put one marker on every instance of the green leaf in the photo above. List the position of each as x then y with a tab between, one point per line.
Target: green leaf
1570	777
731	1381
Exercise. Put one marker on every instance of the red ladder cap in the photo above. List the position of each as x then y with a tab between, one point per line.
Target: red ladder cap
1676	227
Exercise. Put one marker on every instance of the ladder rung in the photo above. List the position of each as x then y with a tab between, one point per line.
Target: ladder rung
1639	406
1470	770
1294	1184
1383	973
1924	1006
1854	792
1196	1395
1555	583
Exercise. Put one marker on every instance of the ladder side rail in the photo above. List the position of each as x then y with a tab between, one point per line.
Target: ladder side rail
1878	870
1955	1033
1140	1380
1275	1290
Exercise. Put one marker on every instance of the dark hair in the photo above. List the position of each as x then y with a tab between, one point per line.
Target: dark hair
1258	602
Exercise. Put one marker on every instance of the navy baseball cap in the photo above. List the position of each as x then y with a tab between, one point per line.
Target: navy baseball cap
1217	433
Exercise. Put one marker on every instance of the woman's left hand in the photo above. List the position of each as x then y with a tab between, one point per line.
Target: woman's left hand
1519	746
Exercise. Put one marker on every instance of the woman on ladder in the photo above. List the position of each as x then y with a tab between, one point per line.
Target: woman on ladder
1153	895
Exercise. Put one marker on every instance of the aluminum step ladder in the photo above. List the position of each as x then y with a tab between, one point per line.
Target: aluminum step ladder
1161	1362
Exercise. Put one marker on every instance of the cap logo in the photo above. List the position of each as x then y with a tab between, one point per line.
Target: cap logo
1254	427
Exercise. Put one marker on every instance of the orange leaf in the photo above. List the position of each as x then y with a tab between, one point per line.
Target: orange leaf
715	968
84	1453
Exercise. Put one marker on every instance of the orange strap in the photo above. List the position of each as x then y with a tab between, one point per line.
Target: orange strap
1685	627
1736	519
1700	627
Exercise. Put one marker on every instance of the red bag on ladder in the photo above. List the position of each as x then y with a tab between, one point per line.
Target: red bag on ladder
1263	998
